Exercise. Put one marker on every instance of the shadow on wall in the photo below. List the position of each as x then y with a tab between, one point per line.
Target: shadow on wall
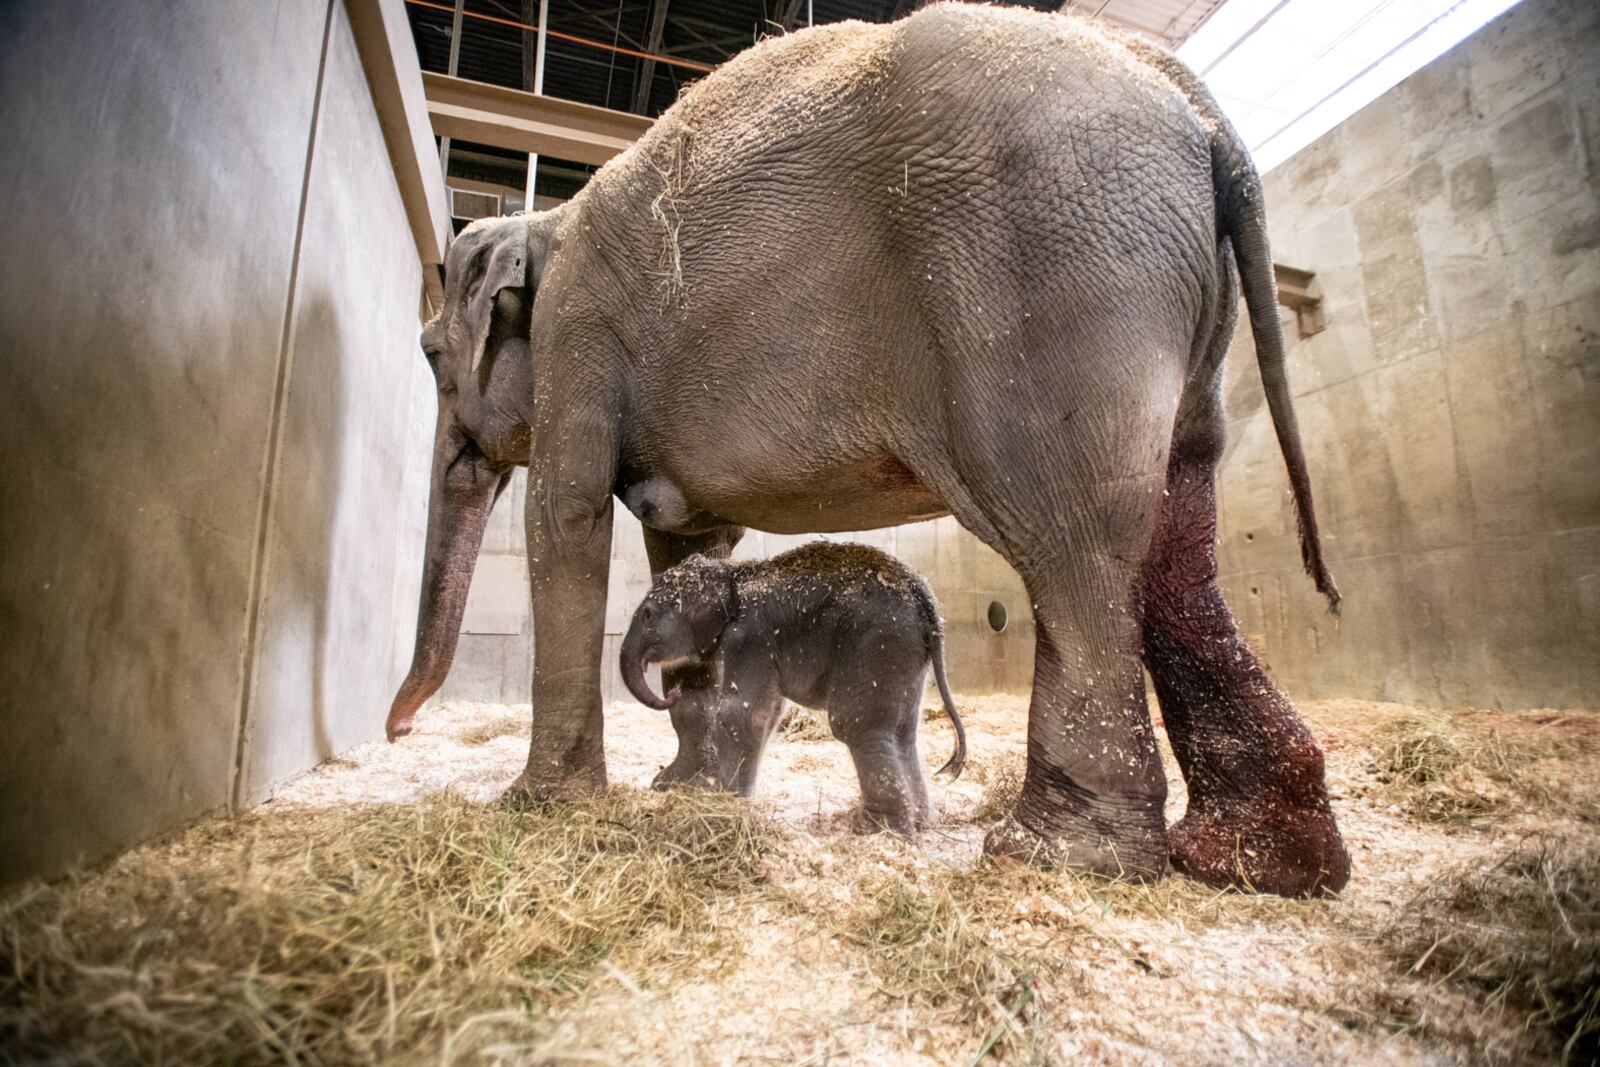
299	592
326	555
325	648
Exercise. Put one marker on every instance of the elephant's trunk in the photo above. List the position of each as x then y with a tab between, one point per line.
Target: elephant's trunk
464	489
633	665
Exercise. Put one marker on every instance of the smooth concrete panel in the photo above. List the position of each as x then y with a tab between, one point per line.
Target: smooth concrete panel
325	657
496	668
497	602
1450	410
151	180
1561	356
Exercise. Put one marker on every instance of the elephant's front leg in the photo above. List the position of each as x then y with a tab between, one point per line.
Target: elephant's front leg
695	761
693	716
569	555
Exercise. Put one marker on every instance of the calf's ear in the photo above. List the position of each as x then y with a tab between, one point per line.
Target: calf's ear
714	608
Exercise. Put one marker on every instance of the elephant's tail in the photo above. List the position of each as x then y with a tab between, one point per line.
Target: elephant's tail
1241	215
933	634
958	759
1242	218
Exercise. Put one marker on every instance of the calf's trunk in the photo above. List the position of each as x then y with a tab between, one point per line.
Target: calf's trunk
633	665
463	491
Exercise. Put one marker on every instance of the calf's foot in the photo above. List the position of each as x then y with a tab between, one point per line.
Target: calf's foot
867	821
693	777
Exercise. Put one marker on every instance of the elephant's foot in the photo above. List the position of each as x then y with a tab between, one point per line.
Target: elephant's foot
693	778
699	769
904	823
580	784
1262	847
1127	842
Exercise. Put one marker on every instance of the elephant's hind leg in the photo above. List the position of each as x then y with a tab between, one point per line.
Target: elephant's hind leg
880	730
893	796
1258	815
1094	792
1069	500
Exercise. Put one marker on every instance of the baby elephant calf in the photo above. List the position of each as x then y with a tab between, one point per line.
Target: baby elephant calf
843	628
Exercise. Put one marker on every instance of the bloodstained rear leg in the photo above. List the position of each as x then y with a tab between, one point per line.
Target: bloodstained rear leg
1258	815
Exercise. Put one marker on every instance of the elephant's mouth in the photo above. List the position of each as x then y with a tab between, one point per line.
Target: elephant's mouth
480	464
671	665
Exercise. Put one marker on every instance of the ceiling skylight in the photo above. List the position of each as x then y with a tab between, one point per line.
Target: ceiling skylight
1288	71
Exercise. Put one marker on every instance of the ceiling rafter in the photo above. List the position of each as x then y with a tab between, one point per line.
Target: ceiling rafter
790	18
647	67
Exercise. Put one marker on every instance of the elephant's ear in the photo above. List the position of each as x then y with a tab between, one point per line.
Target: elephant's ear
715	605
505	265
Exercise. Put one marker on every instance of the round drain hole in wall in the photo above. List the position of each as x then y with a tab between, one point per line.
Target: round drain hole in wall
997	616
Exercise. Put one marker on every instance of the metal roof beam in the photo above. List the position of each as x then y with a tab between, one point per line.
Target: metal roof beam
388	56
525	122
647	70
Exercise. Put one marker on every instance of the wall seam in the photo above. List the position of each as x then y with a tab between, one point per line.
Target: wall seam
258	570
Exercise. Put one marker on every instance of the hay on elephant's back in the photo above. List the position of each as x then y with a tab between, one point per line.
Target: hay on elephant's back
360	935
776	88
721	126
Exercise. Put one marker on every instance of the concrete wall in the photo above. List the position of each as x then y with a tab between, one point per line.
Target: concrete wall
216	434
1452	406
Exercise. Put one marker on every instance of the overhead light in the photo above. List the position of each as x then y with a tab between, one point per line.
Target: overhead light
1288	71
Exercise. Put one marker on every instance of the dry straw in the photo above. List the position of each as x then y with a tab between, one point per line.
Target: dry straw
1448	767
1524	933
805	724
442	931
373	934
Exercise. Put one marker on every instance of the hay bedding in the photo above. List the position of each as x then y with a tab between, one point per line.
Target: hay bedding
381	910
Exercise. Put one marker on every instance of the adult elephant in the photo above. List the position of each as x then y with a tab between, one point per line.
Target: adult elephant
977	262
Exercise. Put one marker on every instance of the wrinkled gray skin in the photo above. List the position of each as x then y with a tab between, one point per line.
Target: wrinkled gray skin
841	628
977	262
